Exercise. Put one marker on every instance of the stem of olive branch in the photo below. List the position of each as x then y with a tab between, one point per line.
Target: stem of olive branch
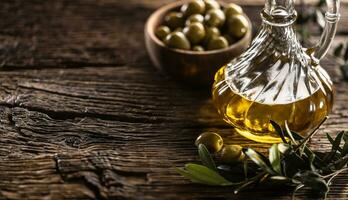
337	161
335	173
294	192
310	135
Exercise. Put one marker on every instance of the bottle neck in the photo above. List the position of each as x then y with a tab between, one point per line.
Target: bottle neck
279	12
272	6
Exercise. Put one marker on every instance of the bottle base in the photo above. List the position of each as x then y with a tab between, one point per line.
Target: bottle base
257	138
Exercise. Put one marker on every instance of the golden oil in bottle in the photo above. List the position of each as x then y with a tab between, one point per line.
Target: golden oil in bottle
252	119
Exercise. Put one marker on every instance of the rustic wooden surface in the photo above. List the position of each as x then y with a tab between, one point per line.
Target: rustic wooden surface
84	114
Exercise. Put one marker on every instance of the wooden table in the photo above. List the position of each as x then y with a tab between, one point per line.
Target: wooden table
85	115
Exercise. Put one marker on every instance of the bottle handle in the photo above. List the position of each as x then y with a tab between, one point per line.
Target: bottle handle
332	16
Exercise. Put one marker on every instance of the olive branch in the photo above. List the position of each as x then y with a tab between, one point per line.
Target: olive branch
291	163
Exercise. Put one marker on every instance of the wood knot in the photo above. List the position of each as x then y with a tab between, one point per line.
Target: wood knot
73	141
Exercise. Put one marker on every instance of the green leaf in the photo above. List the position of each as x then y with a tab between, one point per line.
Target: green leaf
205	157
274	158
280	180
313	180
321	3
344	70
345	149
244	185
311	160
245	168
294	163
260	160
345	56
203	173
292	135
332	141
283	148
335	146
330	138
345	136
197	178
297	136
341	163
317	161
278	130
338	50
187	175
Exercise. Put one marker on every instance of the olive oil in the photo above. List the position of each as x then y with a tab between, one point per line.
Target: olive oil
252	119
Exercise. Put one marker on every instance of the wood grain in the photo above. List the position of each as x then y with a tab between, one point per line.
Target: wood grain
84	114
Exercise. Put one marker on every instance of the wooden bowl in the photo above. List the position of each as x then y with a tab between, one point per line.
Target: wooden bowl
197	68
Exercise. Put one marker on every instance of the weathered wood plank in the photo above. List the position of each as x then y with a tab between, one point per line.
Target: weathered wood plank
48	141
111	126
81	33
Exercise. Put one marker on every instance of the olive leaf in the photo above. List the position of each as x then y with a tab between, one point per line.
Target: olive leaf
252	181
281	180
274	158
285	164
187	175
341	162
245	168
332	141
244	185
345	56
206	174
321	3
344	70
292	134
338	50
278	130
205	157
345	149
335	146
260	160
312	180
202	174
317	161
345	136
283	148
294	163
311	161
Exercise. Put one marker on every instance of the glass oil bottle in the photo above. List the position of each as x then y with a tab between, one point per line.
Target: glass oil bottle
276	78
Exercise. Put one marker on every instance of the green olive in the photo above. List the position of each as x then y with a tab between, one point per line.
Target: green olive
232	9
211	140
215	17
174	20
210	32
231	154
195	32
211	4
179	29
194	18
177	40
162	31
230	40
237	26
217	43
197	48
193	7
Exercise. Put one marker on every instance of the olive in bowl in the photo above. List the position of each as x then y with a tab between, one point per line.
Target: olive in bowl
197	61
